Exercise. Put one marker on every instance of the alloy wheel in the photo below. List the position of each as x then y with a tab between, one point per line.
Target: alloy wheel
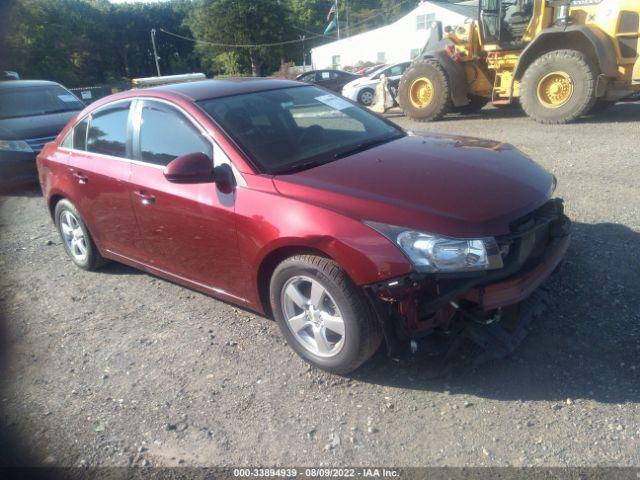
73	236
313	316
366	97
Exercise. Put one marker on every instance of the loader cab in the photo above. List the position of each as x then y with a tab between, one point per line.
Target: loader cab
504	23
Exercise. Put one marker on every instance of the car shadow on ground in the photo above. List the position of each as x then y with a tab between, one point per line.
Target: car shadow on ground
585	346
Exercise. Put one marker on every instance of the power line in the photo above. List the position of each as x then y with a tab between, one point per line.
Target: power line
227	45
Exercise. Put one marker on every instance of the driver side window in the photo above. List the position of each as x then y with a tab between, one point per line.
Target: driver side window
166	134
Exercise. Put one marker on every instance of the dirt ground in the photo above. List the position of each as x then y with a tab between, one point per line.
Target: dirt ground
121	368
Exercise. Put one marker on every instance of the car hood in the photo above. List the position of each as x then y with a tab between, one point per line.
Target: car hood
38	126
448	185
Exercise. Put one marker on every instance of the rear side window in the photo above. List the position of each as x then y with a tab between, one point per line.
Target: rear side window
166	134
108	131
80	135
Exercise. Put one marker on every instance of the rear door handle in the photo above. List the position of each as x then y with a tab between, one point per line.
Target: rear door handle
145	198
82	179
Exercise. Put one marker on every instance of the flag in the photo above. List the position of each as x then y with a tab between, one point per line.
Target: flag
332	10
331	26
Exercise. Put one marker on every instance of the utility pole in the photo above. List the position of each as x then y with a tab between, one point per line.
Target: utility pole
155	53
304	56
346	7
338	17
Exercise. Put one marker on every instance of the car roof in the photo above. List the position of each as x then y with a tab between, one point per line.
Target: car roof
13	84
209	89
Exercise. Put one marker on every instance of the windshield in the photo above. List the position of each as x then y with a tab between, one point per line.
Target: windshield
296	128
31	101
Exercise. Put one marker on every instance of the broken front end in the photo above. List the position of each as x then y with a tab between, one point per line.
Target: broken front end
439	313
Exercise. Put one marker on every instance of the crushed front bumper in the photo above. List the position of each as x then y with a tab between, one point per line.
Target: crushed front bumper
435	315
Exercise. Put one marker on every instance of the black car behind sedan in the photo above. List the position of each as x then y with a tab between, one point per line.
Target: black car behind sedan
32	113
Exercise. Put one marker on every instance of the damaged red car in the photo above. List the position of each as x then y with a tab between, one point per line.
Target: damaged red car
293	202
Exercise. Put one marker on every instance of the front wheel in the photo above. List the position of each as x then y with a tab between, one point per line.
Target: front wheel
559	87
424	92
366	96
324	317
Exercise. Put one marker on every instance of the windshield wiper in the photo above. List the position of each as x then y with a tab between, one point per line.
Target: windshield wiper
300	167
361	147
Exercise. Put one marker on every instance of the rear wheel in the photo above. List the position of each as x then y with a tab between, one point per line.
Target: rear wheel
324	317
75	237
559	87
424	92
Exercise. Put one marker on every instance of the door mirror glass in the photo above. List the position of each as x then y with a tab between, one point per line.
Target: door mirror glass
191	168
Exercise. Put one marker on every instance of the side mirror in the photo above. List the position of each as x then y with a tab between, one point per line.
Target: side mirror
191	168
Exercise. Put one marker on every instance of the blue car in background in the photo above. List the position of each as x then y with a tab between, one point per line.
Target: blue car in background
32	113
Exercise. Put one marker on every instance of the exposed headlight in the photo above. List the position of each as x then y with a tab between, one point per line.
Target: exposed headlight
433	253
15	146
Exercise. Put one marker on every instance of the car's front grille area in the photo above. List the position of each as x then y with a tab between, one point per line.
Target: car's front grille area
531	234
37	144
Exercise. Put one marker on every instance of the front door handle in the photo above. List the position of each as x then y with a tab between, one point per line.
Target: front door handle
145	198
82	179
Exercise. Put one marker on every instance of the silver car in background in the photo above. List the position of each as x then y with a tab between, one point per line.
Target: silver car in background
363	89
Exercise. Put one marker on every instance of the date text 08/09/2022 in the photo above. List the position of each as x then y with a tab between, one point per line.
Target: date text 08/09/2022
316	472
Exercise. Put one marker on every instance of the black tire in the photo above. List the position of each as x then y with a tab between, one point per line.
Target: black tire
440	104
364	95
363	332
475	104
93	260
602	106
583	75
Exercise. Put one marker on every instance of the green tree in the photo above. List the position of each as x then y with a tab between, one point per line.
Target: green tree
85	42
237	22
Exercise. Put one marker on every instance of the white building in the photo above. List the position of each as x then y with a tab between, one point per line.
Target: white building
398	42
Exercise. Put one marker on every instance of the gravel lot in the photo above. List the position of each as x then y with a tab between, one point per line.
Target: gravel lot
121	368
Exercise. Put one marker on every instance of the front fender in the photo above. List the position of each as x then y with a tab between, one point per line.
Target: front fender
455	72
561	36
268	222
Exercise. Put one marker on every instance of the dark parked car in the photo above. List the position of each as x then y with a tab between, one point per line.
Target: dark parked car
32	113
297	203
331	79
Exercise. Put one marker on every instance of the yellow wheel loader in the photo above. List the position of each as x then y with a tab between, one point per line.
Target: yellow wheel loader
559	59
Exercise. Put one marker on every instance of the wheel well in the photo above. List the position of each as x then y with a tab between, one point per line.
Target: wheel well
269	264
53	201
557	41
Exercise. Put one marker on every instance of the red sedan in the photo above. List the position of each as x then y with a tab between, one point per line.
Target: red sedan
293	202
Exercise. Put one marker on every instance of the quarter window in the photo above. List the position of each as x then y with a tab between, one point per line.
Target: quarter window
166	134
108	131
80	135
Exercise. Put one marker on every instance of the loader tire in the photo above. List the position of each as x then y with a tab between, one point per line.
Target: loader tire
559	87
424	92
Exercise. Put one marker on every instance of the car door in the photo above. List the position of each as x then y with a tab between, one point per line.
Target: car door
325	79
98	173
187	230
342	79
395	72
